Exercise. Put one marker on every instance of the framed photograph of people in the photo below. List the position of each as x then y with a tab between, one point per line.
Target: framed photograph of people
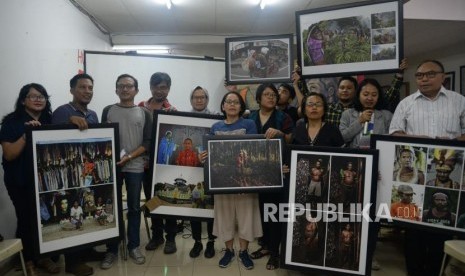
76	197
177	173
422	182
259	59
243	164
330	196
449	81
362	37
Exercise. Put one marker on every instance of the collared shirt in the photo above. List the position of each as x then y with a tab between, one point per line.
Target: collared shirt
62	114
164	106
334	113
443	116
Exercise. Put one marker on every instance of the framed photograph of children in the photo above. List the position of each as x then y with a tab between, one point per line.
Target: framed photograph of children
177	173
355	38
243	164
331	192
77	203
259	59
422	182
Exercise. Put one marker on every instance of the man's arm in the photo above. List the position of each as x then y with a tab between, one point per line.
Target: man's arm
392	94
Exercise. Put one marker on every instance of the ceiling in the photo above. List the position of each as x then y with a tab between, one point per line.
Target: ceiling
198	27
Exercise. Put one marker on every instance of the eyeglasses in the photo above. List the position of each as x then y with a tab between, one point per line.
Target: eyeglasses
429	74
314	104
125	86
199	98
161	88
231	102
36	98
270	95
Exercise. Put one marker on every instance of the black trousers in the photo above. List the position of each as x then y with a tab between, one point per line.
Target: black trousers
196	227
271	238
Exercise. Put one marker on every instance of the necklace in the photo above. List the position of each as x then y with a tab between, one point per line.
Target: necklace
313	141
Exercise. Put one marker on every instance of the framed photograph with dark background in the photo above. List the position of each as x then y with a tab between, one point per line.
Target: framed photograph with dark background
177	174
462	80
326	231
76	197
363	37
243	164
259	59
430	171
449	81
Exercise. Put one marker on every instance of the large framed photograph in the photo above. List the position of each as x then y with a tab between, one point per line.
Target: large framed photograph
76	197
330	196
177	173
363	37
422	182
259	59
449	81
243	164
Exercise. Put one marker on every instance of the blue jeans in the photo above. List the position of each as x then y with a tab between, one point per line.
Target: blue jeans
133	188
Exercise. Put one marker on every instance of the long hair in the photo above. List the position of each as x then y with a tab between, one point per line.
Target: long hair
380	104
20	109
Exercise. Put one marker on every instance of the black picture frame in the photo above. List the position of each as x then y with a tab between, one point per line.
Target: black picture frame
258	59
312	234
426	157
72	166
356	38
462	79
169	176
449	81
243	164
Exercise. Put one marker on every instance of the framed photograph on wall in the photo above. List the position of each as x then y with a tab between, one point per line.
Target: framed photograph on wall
422	181
77	202
462	80
258	59
328	190
243	164
177	173
356	38
449	81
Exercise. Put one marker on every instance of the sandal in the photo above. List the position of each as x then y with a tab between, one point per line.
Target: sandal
260	253
273	262
48	265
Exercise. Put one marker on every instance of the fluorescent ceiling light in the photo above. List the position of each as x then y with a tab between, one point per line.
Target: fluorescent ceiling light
140	47
168	4
154	52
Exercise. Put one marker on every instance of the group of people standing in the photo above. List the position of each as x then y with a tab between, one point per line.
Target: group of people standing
359	112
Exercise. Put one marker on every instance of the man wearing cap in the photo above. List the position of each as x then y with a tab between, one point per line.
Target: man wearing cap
405	208
439	213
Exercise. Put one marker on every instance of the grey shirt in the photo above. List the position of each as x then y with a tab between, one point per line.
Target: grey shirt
135	130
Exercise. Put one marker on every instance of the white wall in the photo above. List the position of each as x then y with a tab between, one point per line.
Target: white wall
40	42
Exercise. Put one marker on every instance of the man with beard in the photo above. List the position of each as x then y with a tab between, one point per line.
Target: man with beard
445	162
408	172
405	208
439	213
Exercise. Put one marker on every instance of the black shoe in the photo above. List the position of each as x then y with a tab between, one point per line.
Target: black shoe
154	244
195	251
210	250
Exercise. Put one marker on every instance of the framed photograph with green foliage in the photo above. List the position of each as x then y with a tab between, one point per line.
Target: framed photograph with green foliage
350	39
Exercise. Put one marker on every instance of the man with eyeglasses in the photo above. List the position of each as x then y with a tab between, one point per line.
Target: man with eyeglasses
432	111
160	85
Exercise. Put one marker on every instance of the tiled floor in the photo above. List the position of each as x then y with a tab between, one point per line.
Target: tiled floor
388	253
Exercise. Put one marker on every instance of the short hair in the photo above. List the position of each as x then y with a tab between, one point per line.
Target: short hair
262	87
160	77
241	101
187	139
136	83
304	104
73	81
290	88
348	78
438	63
380	104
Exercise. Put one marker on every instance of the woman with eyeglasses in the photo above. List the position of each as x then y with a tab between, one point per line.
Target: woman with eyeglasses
230	208
312	129
367	117
273	123
32	109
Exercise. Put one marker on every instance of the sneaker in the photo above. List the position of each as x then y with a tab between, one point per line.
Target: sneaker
79	269
245	259
154	244
227	258
210	250
375	264
170	247
108	261
136	256
195	251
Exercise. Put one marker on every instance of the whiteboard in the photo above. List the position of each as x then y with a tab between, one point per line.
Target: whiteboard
185	73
